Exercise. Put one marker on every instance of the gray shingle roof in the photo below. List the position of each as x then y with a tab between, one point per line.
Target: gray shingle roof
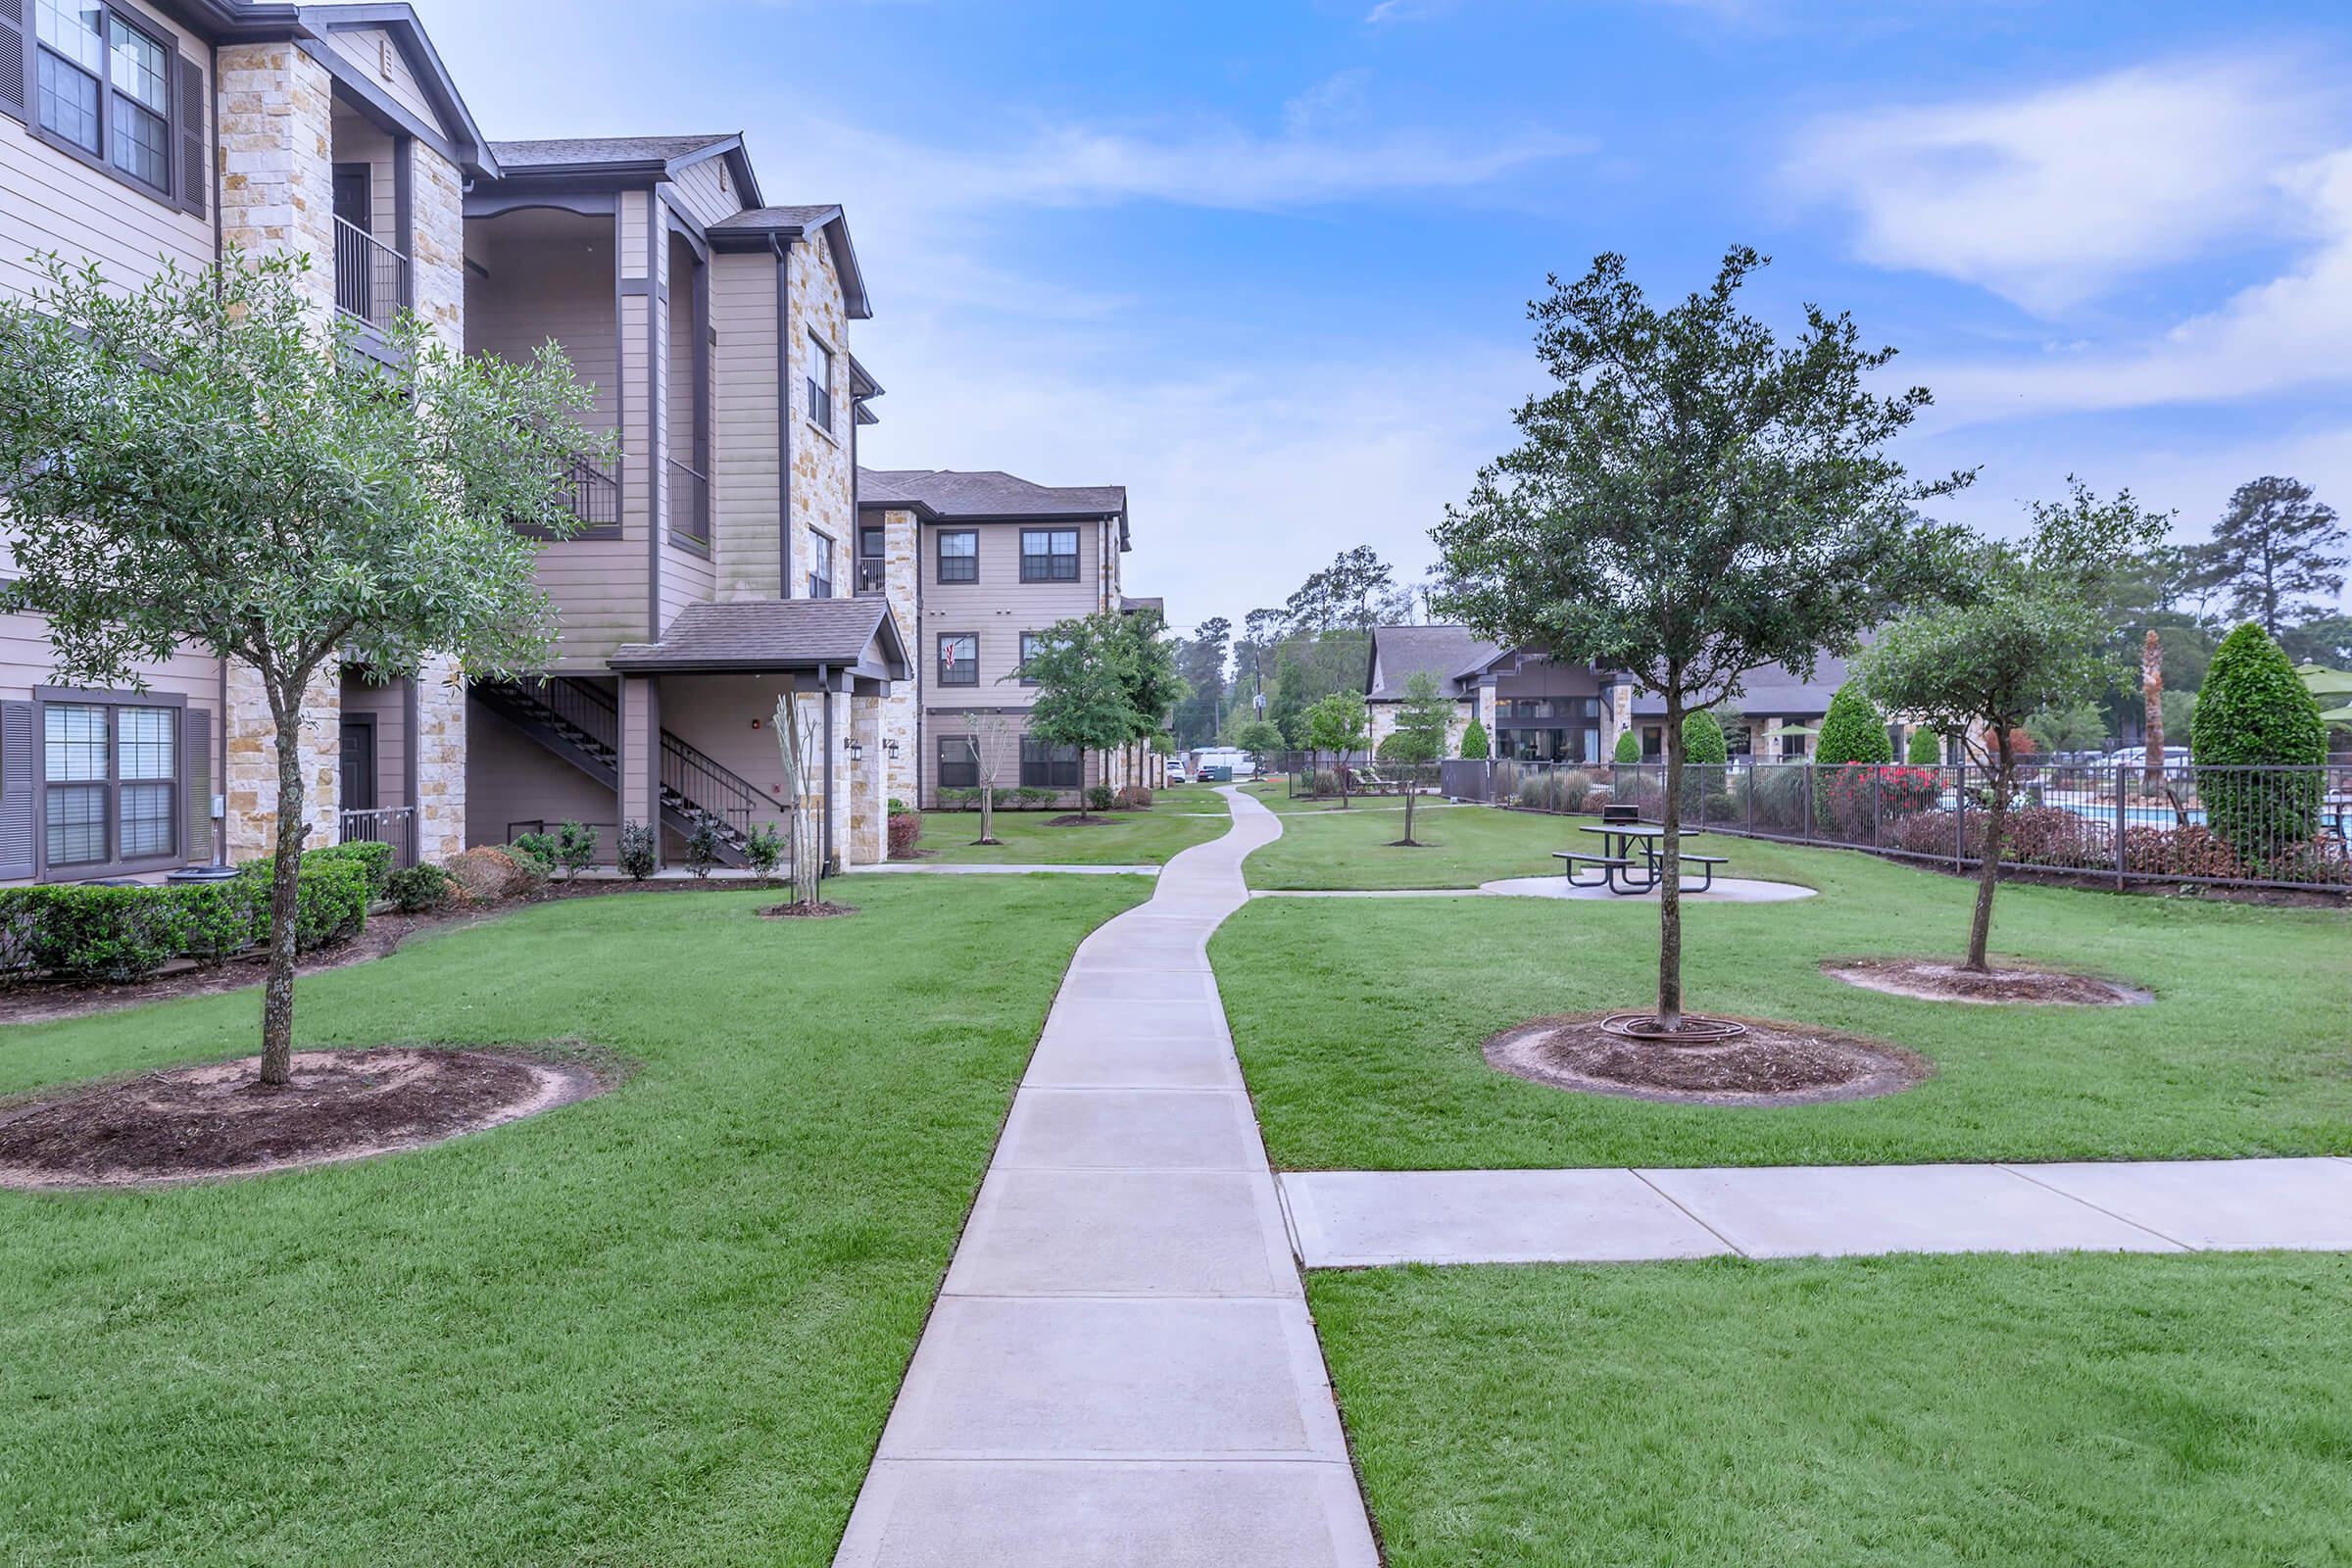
1773	691
1445	651
566	152
772	634
780	218
989	493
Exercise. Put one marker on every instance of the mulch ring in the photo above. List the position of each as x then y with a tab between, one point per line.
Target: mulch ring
1773	1063
216	1119
1942	980
821	910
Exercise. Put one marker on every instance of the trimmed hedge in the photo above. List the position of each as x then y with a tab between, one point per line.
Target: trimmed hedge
1852	731
1927	749
122	933
1475	744
2255	711
374	861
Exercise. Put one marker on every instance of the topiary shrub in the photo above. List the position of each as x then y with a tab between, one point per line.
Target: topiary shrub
1476	748
116	935
373	859
2255	711
1629	747
638	851
1705	755
421	890
1927	749
1852	731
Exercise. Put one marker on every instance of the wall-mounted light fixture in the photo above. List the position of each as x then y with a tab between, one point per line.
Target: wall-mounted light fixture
855	751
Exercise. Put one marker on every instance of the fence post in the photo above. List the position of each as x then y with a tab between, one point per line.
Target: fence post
1877	785
1960	815
1811	835
2121	768
1753	778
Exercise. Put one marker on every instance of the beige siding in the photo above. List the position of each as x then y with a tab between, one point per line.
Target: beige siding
699	190
745	460
511	779
999	606
373	51
686	574
50	202
731	718
27	662
360	141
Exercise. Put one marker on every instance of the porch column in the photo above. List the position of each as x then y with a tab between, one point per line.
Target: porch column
639	763
868	784
436	761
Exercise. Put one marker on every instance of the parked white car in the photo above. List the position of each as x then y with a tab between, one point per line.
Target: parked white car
1176	772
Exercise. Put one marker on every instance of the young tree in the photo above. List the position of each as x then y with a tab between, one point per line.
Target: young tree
994	741
1694	500
1422	722
1852	731
1082	687
800	748
1339	724
206	460
1260	740
2274	550
1147	663
2020	635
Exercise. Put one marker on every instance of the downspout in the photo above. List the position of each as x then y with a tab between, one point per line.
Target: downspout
220	718
914	666
824	687
783	252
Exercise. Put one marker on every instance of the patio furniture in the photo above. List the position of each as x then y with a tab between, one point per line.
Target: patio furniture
1621	813
1630	860
1610	865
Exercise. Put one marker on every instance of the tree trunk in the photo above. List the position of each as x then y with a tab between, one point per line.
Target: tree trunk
277	988
1408	812
2152	689
1670	874
988	808
1988	869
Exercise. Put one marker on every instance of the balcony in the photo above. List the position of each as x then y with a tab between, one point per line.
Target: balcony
689	505
873	574
371	279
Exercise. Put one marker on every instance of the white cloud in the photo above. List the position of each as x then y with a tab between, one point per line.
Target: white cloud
2050	197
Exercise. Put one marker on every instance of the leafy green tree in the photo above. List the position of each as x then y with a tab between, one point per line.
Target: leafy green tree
1475	745
1339	723
2017	637
1201	659
1629	747
1852	731
1422	722
1703	745
2256	712
206	460
1927	749
2275	550
1288	706
1083	686
1260	739
1694	500
2068	727
1147	661
2323	640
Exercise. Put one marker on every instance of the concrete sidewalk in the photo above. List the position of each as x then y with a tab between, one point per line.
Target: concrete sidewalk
1343	1219
1120	1367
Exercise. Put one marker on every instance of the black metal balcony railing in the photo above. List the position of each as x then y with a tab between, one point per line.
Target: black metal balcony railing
873	574
371	279
593	495
689	503
395	825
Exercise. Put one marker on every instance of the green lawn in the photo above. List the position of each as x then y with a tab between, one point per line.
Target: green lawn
1177	820
2033	1412
1460	846
659	1327
1359	1021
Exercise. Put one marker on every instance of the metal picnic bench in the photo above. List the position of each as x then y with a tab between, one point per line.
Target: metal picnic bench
1621	871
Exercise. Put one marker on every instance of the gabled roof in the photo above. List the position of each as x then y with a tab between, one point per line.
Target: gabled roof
858	636
1449	653
666	156
456	135
1772	690
991	495
756	225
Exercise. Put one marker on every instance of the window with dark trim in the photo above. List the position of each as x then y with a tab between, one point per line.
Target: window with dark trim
958	769
115	93
960	554
960	659
1048	555
1031	642
1050	767
820	383
874	568
111	782
820	566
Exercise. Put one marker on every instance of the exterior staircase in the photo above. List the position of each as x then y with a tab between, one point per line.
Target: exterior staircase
577	722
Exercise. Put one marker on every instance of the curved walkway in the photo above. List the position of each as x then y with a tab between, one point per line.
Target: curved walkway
1120	1367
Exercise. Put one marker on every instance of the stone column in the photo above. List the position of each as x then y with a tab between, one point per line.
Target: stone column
440	741
902	555
248	774
1621	719
867	842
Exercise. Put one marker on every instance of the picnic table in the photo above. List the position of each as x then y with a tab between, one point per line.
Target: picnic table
1628	861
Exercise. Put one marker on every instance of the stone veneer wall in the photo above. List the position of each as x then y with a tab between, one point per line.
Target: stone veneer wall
867	838
440	759
902	555
276	115
821	480
1621	719
1384	723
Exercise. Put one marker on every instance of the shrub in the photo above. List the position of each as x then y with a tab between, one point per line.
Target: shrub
1135	798
704	841
1629	747
1475	745
959	799
906	827
1034	796
2255	711
1703	744
1599	796
1927	749
490	874
637	852
898	806
575	848
1570	790
1100	797
97	933
538	849
763	850
421	890
1778	793
223	918
1534	792
373	859
1848	794
331	903
1852	731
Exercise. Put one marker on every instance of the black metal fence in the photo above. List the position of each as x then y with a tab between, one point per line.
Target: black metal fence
395	825
1313	775
2239	826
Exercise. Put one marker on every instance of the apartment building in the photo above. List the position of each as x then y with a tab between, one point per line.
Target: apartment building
723	558
995	560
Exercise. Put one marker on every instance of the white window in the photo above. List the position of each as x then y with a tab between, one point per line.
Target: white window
110	782
820	384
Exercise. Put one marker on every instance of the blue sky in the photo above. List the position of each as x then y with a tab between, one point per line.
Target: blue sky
1267	265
